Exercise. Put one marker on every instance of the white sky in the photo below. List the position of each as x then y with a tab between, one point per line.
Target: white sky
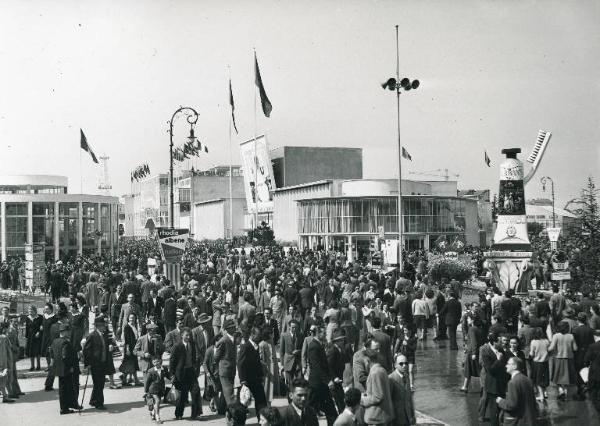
492	73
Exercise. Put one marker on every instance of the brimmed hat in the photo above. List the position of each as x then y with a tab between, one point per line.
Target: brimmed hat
338	334
203	318
151	327
229	325
569	312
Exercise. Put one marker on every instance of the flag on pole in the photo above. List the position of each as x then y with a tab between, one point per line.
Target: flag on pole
264	100
86	147
487	159
232	106
406	155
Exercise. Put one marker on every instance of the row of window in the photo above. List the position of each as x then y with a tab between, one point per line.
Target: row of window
99	224
369	215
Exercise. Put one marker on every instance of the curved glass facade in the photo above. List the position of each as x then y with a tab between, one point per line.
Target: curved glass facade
421	214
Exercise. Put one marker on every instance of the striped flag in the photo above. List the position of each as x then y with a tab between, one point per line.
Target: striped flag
486	159
86	147
406	155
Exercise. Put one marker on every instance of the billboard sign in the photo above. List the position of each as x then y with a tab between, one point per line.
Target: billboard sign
172	243
561	276
390	252
553	234
259	182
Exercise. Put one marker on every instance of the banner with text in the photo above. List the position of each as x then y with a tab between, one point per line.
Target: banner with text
172	243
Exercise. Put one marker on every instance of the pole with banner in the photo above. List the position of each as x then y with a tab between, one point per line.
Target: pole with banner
172	243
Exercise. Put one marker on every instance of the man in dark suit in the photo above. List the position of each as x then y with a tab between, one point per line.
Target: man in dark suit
201	338
493	376
185	377
96	355
592	360
170	312
225	356
319	378
520	407
307	299
66	366
452	313
250	369
584	338
289	352
299	412
154	305
385	344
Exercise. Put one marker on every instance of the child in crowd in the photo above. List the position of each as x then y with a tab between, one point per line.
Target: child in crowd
154	388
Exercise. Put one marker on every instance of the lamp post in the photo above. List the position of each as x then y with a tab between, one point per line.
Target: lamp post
397	84
543	180
192	118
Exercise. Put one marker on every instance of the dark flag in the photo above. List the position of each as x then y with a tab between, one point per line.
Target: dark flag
486	159
205	148
86	147
232	106
406	155
264	100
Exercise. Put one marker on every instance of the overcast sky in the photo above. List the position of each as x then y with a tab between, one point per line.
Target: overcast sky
492	73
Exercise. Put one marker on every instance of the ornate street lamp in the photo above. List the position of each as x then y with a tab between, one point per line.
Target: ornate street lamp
192	118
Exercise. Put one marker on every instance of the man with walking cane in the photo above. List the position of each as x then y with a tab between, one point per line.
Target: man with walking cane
96	353
66	367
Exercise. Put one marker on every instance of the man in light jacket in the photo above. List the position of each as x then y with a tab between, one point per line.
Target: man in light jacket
378	399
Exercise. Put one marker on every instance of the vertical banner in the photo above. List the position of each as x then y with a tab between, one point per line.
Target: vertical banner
35	266
172	243
390	252
259	182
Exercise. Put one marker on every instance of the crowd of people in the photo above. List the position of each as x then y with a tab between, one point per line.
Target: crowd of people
337	339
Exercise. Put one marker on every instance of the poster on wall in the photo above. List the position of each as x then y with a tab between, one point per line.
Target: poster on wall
259	182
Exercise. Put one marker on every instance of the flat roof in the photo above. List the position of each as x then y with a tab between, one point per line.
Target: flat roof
386	196
304	185
214	200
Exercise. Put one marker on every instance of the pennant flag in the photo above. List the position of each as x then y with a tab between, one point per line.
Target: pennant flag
486	159
232	106
205	148
264	100
86	147
406	155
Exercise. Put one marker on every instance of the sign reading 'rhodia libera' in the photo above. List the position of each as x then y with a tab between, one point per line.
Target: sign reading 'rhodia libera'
172	243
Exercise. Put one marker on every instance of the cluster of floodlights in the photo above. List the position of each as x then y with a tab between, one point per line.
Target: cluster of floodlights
405	84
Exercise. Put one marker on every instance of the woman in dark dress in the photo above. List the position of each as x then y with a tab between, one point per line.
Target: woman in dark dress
474	342
47	321
33	334
129	366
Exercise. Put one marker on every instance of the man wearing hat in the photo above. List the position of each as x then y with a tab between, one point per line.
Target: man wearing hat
335	358
96	353
148	346
225	357
66	367
202	338
584	338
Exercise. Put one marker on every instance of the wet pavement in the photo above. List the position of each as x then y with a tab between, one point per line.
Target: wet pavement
439	376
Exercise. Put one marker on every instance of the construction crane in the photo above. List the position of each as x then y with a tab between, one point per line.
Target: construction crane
446	175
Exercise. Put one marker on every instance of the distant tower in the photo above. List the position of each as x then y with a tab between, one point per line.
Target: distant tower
104	182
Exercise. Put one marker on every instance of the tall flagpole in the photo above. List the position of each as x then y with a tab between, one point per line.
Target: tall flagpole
400	243
80	173
230	160
255	158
